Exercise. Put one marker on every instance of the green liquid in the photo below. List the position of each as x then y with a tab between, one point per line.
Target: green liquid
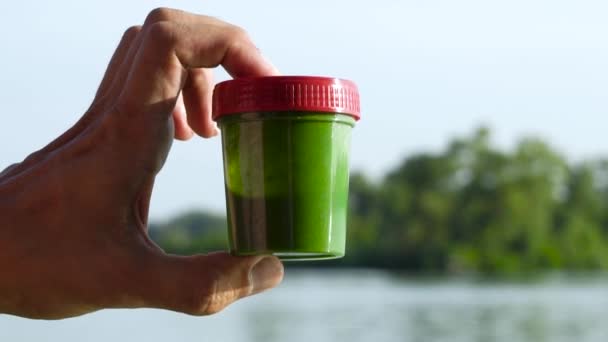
286	180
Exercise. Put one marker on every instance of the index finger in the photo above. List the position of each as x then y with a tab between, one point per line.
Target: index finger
171	47
241	65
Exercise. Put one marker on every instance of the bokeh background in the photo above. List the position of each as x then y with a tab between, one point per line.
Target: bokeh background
479	191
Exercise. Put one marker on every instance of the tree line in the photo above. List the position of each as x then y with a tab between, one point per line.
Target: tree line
471	207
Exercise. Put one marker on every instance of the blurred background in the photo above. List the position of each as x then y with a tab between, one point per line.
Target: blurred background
479	192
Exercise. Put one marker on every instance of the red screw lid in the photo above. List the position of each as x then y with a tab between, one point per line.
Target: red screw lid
286	93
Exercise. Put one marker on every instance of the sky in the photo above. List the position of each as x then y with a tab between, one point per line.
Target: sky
428	71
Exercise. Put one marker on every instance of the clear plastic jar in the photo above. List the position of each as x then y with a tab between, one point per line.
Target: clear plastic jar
286	143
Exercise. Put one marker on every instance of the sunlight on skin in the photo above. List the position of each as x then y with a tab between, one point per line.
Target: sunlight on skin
74	214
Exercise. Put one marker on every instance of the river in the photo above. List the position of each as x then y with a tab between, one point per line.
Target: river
360	306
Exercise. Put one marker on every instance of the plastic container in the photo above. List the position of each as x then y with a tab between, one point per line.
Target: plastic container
286	142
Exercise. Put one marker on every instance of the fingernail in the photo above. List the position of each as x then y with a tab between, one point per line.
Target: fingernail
265	274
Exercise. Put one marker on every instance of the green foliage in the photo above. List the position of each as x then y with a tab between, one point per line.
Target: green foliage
472	207
191	233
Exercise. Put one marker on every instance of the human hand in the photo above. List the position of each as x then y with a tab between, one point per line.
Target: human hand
73	216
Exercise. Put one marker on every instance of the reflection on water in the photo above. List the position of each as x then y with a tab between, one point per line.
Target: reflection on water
373	306
361	306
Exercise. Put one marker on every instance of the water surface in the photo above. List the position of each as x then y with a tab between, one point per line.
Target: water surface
360	306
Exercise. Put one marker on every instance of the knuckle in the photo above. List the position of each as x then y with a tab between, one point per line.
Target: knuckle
132	31
9	168
237	34
34	158
208	305
161	31
236	38
158	14
210	300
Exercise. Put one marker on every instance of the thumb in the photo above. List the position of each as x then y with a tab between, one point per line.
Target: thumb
206	284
